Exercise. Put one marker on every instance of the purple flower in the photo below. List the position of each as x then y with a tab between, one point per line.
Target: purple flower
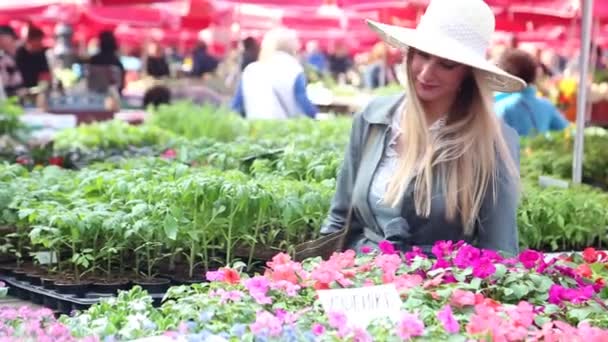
449	322
530	258
466	255
483	268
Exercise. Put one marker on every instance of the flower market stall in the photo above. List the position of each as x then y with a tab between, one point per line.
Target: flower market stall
221	205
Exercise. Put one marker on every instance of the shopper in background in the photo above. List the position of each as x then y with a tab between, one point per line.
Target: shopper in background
202	61
10	76
156	62
527	113
274	87
31	58
251	51
108	56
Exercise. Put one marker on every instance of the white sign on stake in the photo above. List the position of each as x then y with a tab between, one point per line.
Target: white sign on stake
364	304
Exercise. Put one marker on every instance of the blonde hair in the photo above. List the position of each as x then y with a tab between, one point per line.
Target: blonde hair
279	39
465	154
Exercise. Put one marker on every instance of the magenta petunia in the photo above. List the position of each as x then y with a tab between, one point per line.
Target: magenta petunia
466	256
483	268
318	329
386	247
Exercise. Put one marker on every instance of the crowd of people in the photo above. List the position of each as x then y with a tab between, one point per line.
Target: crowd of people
268	78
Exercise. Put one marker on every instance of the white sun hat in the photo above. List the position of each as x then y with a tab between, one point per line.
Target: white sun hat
457	30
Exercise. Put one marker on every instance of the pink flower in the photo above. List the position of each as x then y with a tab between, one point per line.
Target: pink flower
283	285
286	317
2	284
416	252
224	274
233	296
440	263
389	263
360	335
522	315
443	249
258	286
461	298
491	255
169	154
386	247
318	329
283	268
337	320
530	258
466	255
366	249
407	281
483	268
266	324
410	326
450	324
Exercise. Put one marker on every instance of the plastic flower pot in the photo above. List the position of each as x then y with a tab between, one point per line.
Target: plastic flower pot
48	283
72	287
154	285
34	278
110	286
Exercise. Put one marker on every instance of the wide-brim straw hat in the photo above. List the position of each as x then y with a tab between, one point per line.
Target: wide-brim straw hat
457	30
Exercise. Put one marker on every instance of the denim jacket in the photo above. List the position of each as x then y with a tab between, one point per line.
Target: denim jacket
496	226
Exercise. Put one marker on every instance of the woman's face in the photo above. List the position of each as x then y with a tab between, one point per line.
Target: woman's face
436	78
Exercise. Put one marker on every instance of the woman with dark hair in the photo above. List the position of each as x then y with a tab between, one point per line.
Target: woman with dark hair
527	113
107	55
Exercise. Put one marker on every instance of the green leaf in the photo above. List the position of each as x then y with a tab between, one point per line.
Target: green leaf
501	270
580	314
170	226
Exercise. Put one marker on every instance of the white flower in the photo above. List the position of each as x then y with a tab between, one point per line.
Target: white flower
138	306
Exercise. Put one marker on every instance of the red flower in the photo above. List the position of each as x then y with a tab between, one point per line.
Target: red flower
57	161
169	154
231	276
599	284
590	255
584	271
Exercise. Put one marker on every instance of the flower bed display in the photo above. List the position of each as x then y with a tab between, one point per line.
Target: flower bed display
464	294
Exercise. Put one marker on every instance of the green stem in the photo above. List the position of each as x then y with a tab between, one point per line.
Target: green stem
255	236
76	273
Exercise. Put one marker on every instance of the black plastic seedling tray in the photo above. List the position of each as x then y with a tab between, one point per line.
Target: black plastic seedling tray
58	302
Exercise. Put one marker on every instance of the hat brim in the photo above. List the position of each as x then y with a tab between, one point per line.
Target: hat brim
447	48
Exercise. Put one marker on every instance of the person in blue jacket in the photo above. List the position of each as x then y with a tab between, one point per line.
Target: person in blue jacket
527	113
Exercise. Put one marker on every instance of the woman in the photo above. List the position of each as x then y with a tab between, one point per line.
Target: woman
527	113
436	164
274	87
108	56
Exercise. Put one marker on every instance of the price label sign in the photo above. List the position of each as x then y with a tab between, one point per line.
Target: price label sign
364	304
